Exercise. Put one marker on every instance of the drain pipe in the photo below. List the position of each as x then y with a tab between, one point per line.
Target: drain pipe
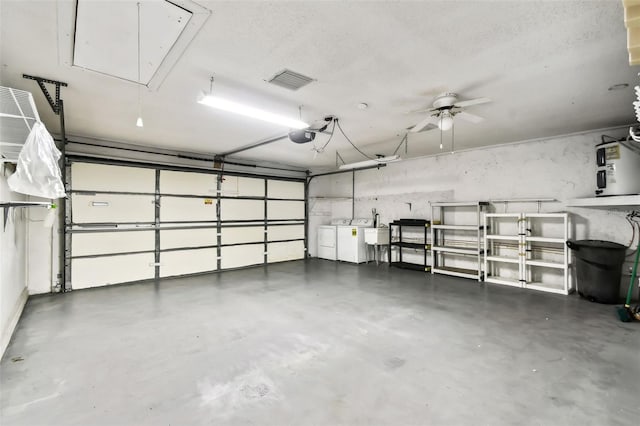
353	195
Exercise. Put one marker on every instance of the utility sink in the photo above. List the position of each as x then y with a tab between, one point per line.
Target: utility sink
378	236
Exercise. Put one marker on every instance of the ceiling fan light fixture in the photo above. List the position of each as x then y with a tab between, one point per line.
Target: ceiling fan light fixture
248	111
446	121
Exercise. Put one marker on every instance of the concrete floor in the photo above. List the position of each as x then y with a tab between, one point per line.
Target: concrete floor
320	343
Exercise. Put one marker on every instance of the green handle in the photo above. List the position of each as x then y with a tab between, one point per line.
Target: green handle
633	276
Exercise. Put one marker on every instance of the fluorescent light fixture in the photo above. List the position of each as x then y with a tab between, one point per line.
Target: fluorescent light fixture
247	111
139	122
369	163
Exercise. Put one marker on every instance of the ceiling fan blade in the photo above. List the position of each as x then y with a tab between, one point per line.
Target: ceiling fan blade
477	101
421	110
424	123
470	117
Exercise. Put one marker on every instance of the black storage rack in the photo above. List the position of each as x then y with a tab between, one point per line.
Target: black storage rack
424	245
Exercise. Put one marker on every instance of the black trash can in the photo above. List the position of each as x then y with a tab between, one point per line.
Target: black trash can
599	269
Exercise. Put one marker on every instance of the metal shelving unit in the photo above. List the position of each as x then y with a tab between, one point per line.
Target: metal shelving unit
447	242
400	244
526	244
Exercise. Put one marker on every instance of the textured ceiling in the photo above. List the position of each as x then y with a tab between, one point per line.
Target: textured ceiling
546	65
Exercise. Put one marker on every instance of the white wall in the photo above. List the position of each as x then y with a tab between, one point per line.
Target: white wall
560	168
13	290
42	255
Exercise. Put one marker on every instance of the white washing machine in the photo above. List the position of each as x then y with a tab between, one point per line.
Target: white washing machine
351	245
327	239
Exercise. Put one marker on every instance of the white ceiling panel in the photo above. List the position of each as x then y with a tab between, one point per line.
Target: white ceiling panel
106	38
546	65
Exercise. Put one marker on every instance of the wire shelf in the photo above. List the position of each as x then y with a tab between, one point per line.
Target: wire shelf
18	114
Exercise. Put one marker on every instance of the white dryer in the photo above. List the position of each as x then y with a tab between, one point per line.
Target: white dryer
327	239
351	245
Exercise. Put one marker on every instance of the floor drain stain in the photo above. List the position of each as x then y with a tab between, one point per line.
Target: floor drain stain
394	362
253	392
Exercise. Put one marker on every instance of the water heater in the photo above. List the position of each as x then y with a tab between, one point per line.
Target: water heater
618	168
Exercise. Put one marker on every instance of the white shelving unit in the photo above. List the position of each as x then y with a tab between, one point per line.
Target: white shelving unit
526	249
503	248
545	243
18	114
451	238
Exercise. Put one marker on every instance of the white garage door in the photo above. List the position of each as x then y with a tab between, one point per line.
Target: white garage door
112	211
134	223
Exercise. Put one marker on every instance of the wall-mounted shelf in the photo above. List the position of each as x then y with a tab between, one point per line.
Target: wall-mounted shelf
18	114
612	201
539	201
7	205
524	200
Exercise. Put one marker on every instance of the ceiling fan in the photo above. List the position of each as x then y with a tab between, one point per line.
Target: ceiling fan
445	107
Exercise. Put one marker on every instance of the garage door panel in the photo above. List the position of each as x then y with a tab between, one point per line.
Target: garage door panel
183	262
285	232
106	270
188	183
102	177
253	234
87	244
241	209
108	194
112	208
285	189
281	252
285	210
239	186
177	238
182	209
238	256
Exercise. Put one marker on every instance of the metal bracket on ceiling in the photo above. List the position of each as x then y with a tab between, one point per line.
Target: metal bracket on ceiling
55	106
405	140
218	162
339	157
254	145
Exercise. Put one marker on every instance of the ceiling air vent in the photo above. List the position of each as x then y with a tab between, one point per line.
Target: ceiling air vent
290	80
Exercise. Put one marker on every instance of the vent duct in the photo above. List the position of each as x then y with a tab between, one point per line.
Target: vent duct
290	80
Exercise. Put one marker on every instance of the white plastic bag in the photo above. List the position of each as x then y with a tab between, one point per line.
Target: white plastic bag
38	172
